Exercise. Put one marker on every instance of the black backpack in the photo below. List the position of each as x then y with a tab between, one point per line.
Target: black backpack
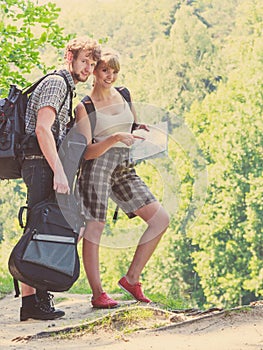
14	143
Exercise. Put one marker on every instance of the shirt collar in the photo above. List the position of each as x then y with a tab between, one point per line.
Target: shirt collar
69	77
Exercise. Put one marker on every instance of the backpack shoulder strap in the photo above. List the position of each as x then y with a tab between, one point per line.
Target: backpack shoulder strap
27	90
90	109
16	287
125	93
69	91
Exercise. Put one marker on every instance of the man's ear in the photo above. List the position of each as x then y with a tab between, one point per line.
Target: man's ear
69	57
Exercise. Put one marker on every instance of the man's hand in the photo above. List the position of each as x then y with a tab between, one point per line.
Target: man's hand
60	184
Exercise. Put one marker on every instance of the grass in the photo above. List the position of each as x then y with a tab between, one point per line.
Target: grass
237	310
82	287
169	303
6	285
120	322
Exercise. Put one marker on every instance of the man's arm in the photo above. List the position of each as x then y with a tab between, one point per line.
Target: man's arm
45	119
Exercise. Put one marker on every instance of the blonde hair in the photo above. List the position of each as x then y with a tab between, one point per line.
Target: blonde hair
111	58
90	45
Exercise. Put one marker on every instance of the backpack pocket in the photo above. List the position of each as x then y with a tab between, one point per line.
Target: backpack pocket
54	252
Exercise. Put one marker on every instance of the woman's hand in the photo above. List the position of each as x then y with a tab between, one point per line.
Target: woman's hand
127	138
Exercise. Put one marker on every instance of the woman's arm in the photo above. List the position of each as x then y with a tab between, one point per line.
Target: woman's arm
136	124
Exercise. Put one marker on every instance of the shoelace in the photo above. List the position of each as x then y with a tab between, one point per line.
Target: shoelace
45	301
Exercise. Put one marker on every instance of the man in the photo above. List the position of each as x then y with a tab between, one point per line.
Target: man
47	116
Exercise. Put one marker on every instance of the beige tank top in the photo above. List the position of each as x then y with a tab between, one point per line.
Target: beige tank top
107	124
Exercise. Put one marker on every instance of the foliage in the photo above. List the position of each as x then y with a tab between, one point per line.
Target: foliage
200	64
26	30
230	132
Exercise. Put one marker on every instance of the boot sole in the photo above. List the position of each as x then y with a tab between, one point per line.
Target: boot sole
26	317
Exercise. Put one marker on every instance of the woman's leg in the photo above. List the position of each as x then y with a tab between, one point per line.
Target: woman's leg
90	255
158	220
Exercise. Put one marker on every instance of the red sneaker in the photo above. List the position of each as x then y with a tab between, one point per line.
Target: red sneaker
104	302
134	290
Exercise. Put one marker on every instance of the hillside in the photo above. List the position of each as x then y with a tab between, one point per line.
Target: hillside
132	326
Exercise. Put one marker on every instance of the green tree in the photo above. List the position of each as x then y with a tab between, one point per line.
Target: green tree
26	29
229	127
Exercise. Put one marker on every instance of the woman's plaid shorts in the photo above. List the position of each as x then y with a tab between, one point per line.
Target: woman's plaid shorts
113	176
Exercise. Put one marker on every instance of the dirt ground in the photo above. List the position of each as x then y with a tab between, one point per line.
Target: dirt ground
131	326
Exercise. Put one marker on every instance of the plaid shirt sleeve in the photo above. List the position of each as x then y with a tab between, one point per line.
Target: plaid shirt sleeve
53	92
50	92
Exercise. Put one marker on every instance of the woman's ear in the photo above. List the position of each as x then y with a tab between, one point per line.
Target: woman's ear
69	57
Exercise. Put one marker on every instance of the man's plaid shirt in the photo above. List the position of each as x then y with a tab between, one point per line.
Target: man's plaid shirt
50	93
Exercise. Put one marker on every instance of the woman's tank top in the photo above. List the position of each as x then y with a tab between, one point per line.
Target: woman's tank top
107	124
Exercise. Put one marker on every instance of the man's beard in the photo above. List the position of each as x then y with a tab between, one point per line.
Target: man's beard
77	77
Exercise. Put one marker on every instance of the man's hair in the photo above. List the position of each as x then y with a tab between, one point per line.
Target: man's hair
111	58
90	45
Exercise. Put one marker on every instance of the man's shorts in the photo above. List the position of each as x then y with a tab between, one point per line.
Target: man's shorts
113	176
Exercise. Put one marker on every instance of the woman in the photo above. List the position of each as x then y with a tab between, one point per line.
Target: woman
107	173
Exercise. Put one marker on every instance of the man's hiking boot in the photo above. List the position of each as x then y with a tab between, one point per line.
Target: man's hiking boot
42	309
